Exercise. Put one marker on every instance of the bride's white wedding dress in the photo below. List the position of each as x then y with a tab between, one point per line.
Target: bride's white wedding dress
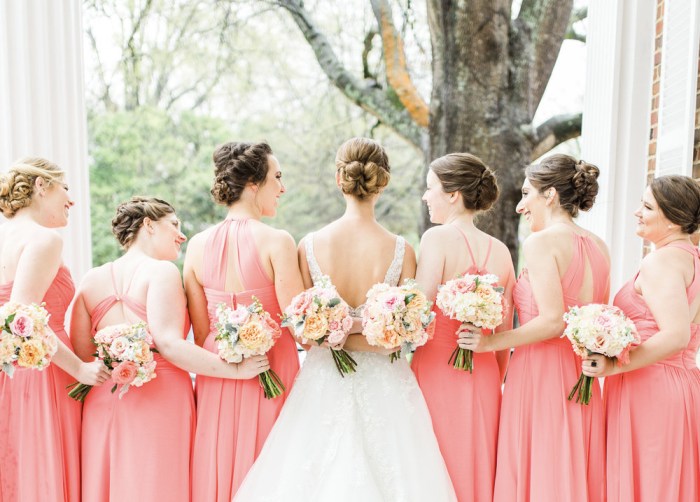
363	437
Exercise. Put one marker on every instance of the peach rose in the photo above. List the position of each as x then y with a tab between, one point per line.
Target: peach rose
30	354
142	353
315	327
124	373
417	302
252	335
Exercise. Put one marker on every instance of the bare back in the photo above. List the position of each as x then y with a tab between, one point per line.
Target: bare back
355	255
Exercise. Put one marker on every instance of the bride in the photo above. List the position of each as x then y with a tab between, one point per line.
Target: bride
368	435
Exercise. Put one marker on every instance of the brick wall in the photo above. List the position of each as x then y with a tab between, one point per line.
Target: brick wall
655	89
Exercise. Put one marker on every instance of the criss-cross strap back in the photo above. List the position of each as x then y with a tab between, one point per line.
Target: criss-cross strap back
474	268
107	303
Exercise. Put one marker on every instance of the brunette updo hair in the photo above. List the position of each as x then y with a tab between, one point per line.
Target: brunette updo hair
130	215
363	167
576	182
17	184
236	165
467	174
678	198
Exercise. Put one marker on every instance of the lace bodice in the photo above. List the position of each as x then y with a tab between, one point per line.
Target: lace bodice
392	276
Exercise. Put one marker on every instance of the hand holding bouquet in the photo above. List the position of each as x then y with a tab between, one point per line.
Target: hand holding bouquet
319	314
25	338
248	331
473	299
126	350
396	316
598	329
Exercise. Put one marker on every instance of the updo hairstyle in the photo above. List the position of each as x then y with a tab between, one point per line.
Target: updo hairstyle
236	165
576	182
130	215
17	184
467	174
363	167
678	198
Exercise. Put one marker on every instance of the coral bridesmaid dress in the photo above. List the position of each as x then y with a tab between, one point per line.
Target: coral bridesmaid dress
39	423
233	416
138	447
464	407
653	414
549	448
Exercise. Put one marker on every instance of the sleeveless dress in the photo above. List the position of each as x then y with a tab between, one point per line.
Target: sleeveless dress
464	407
138	447
653	414
549	448
39	423
363	437
233	416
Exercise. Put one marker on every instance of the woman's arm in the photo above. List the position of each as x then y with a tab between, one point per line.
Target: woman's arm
36	269
662	284
81	329
285	266
508	282
166	304
431	264
196	299
549	297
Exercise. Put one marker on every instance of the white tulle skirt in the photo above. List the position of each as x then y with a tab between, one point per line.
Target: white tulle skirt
365	437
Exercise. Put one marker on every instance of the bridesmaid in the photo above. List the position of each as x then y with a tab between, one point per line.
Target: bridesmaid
229	263
459	186
139	447
39	423
653	403
551	449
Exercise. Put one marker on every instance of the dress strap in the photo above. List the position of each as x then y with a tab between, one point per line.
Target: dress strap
314	269
469	248
488	253
694	287
393	274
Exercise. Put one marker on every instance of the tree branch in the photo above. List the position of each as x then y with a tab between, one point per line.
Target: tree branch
576	15
555	131
372	100
366	73
396	71
540	28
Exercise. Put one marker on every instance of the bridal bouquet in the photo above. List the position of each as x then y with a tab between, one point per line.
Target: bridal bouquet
126	350
25	338
248	331
396	316
319	314
474	299
598	329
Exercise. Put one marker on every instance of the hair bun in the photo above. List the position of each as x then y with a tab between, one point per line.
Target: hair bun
585	181
363	166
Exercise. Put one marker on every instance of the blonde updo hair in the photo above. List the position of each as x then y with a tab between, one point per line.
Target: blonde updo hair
363	167
467	174
17	184
130	215
576	182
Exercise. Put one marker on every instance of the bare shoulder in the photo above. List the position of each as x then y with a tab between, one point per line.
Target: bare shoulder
435	235
197	242
543	240
665	262
46	240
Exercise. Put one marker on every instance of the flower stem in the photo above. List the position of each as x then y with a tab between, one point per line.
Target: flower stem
462	359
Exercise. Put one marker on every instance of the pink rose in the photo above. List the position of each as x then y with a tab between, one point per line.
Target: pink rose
335	337
390	301
125	373
347	323
272	326
300	303
239	316
118	347
22	325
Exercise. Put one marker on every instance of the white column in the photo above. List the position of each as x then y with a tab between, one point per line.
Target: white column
42	103
616	121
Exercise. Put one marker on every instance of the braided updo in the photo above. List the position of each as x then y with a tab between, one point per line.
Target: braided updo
678	198
130	215
467	174
576	182
236	165
17	185
363	167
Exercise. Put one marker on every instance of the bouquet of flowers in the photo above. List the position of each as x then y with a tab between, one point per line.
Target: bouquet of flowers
319	314
126	350
598	329
248	331
474	299
396	316
25	338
